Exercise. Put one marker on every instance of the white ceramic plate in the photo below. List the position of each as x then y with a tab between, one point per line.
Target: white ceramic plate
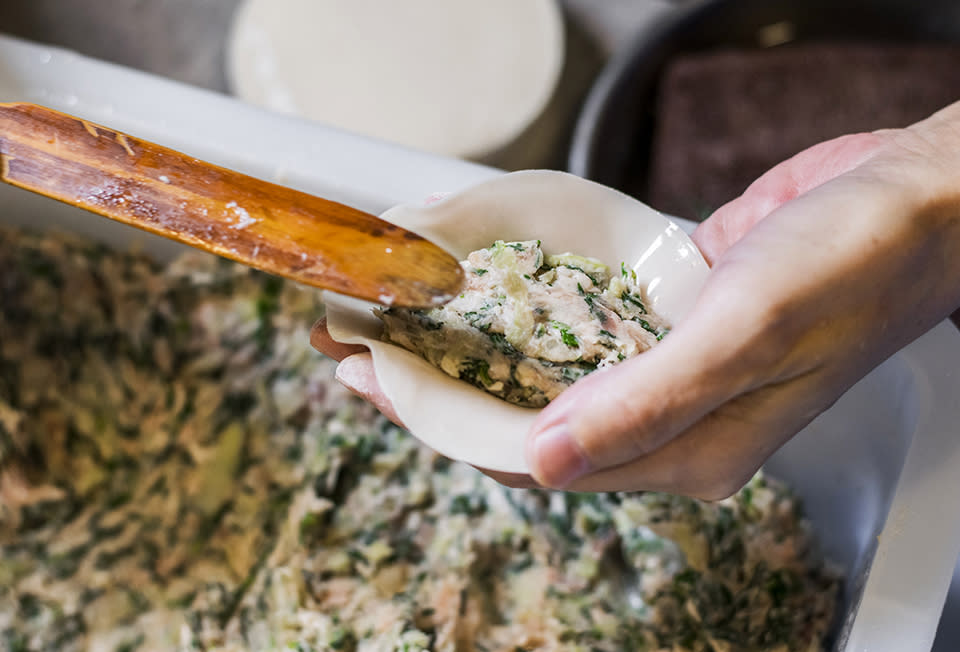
568	214
455	78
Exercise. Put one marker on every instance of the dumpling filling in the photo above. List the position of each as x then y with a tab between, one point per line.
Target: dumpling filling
527	325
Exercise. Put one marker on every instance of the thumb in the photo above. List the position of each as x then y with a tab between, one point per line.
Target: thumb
620	413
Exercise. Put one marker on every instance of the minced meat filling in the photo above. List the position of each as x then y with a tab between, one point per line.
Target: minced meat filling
528	325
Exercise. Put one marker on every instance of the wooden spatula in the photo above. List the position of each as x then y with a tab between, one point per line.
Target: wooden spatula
276	229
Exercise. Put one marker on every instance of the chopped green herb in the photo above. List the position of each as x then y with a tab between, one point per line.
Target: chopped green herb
468	504
566	336
627	297
501	344
343	639
476	370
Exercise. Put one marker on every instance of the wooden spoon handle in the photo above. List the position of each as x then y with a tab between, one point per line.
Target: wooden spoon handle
276	229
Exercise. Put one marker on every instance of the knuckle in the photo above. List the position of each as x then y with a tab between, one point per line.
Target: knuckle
706	480
716	491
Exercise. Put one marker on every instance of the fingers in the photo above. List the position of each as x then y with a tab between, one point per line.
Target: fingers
739	337
320	340
753	326
701	412
782	183
356	373
716	456
631	409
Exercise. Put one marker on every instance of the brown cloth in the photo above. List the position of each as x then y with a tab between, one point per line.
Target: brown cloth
726	117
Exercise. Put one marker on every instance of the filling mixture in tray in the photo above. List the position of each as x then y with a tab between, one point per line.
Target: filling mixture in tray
180	471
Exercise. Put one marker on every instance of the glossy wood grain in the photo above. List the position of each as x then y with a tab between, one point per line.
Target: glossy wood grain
270	227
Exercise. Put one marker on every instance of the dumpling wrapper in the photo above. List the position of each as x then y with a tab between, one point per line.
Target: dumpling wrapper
568	214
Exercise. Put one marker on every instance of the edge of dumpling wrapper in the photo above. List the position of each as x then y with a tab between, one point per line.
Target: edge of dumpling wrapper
569	214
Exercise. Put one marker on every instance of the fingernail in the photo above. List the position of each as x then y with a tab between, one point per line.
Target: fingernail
351	375
558	457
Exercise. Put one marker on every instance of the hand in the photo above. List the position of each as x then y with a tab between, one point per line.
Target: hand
823	268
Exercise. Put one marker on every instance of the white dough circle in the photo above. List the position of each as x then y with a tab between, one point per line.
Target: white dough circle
455	78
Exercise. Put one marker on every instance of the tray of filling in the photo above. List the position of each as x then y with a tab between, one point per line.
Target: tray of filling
179	470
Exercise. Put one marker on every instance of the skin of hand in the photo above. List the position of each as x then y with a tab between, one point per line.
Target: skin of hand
823	268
